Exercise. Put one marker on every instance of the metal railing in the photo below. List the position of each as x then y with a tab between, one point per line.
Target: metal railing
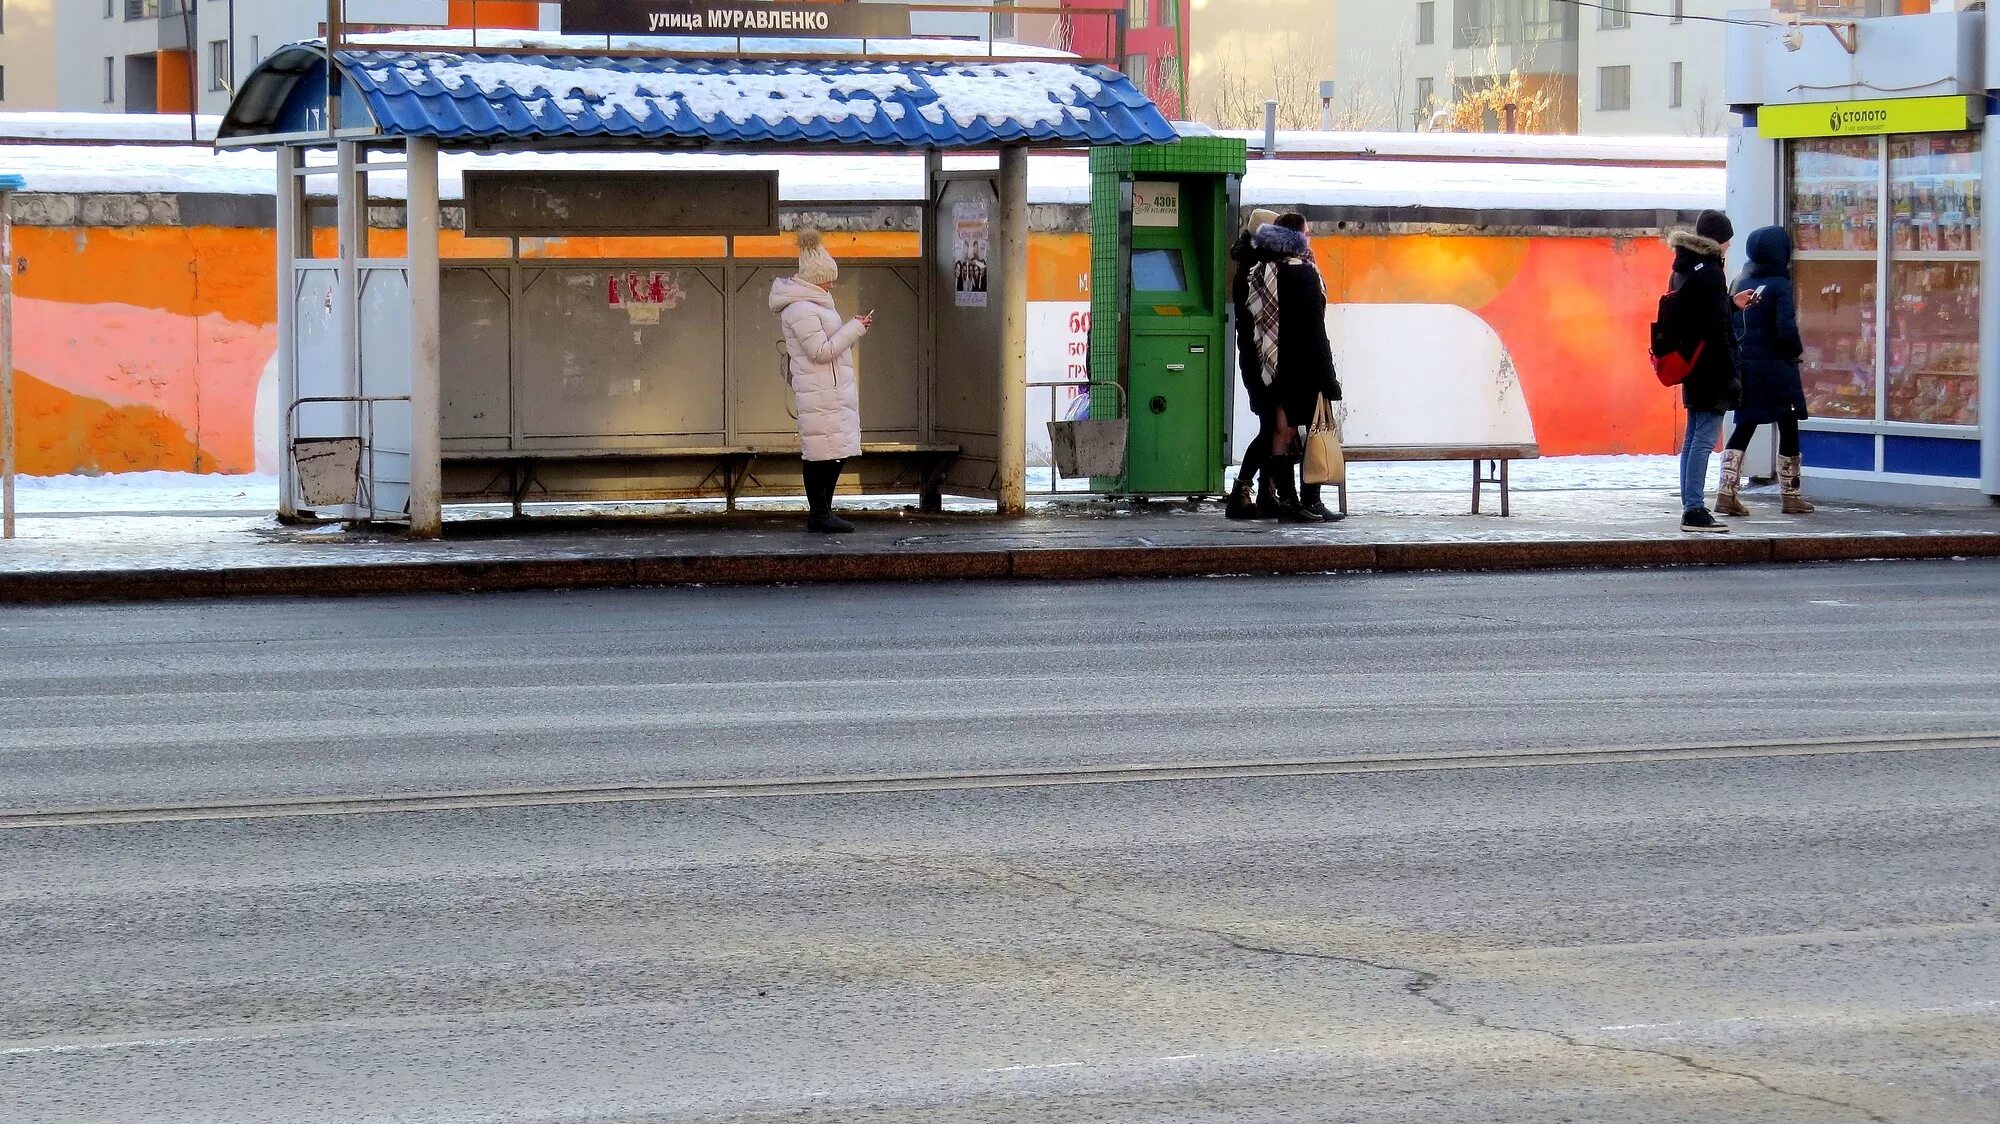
367	478
1055	478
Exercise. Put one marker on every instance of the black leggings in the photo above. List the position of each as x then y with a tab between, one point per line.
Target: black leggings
1788	436
1257	457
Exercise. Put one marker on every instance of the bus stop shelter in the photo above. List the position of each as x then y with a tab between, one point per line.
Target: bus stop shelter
409	379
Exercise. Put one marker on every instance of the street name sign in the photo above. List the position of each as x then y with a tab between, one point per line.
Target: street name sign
735	18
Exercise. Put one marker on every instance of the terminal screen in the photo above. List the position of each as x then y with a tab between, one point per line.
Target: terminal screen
1158	271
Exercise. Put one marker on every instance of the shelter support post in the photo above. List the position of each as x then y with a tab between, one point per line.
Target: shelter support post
351	219
288	235
1013	241
1989	320
426	342
7	362
931	499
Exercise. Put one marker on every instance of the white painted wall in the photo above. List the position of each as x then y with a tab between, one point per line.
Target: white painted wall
86	35
27	51
1650	47
1378	62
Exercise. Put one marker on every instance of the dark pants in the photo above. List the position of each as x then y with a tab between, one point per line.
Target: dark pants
822	477
1788	436
1257	458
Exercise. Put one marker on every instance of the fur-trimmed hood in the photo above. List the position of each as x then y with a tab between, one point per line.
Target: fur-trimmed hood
1694	244
1282	241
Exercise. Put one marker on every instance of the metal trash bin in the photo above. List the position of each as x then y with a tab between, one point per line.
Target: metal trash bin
1090	447
329	470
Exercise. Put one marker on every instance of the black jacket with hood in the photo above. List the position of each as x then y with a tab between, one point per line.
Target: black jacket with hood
1706	317
1305	355
1768	346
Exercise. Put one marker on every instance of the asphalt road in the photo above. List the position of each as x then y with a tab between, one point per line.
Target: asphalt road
1770	939
195	702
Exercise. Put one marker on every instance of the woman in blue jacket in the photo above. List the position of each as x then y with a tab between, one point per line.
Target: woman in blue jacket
1768	351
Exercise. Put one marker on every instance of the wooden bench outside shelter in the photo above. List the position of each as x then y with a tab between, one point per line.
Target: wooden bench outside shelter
1490	464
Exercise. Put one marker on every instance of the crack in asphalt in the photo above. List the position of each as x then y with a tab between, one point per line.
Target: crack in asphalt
1421	984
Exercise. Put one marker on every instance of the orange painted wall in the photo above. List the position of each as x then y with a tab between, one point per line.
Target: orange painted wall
144	348
1572	312
496	13
172	89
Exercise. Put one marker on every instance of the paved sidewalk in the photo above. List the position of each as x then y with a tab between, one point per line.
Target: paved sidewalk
121	556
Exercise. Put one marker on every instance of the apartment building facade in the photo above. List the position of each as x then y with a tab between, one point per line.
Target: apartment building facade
177	56
1610	67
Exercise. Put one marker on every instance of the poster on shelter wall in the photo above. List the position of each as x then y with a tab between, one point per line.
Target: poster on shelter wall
972	234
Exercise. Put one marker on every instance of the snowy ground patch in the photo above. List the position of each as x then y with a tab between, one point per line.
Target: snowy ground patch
140	494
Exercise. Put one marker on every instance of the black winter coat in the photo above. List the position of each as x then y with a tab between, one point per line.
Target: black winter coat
1768	346
1705	314
1305	355
1241	257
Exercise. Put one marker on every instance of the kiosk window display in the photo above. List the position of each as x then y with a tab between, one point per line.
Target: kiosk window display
1924	190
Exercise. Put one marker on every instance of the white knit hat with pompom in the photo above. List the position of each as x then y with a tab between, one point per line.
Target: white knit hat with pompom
816	266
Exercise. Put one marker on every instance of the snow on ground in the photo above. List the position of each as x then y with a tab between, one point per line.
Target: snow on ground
145	493
142	494
77	128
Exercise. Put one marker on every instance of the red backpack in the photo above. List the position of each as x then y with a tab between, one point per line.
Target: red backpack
1672	360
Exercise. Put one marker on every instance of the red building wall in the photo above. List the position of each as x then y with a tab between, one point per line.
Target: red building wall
1094	31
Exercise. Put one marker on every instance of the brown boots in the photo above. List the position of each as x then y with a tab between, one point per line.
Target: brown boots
1790	474
1726	501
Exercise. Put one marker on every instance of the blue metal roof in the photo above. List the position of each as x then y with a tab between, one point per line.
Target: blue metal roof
522	98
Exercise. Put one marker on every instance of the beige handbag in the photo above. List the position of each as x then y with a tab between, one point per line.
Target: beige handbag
1323	462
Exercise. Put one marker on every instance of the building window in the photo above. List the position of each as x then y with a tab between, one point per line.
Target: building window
1136	12
1475	23
1676	85
1614	87
1170	13
218	65
1615	14
3	83
110	81
1427	23
256	50
1426	90
1135	69
1677	13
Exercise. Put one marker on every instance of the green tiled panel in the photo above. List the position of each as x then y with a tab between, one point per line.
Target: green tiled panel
1210	155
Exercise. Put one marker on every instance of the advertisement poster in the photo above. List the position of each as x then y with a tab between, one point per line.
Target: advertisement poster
972	236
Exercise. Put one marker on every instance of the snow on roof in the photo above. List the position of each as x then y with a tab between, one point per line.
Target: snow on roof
710	45
1550	148
1024	93
478	99
1060	179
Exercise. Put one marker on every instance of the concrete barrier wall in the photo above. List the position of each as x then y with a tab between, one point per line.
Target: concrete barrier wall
144	338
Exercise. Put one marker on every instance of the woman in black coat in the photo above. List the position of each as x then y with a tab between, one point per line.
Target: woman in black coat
1303	368
1242	255
1768	348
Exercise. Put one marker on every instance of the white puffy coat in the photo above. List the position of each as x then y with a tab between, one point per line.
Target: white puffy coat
824	392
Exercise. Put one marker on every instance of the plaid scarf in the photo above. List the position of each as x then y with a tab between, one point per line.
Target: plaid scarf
1264	318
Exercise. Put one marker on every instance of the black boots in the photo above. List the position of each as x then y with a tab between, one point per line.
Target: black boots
822	477
1286	479
1310	503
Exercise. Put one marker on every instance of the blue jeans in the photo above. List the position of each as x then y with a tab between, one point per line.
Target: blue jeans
1703	431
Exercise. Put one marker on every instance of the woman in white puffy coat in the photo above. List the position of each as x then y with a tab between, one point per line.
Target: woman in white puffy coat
820	367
